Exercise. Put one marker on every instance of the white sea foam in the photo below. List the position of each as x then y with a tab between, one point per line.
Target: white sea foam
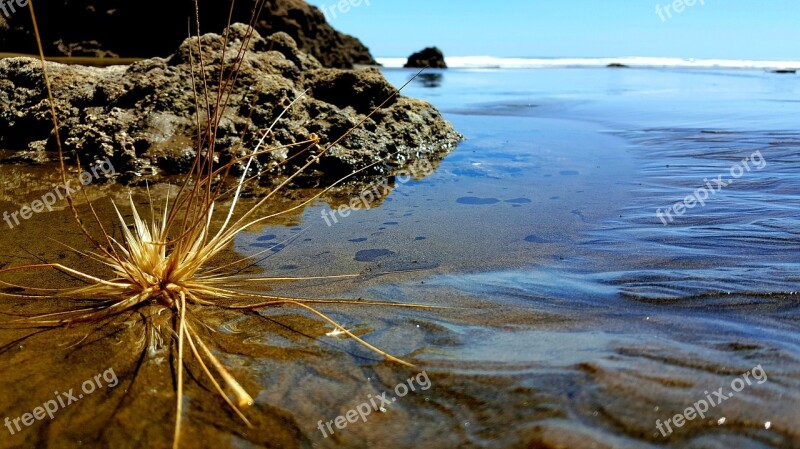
489	62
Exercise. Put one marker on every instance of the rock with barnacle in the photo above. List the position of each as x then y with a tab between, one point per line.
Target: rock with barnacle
143	116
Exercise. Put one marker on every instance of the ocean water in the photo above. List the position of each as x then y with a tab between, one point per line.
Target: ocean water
582	319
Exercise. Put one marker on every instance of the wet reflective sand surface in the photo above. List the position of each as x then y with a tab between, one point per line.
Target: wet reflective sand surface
569	314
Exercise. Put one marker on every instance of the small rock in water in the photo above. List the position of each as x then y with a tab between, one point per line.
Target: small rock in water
430	57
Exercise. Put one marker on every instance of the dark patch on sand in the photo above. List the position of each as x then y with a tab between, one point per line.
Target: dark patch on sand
475	201
369	255
536	239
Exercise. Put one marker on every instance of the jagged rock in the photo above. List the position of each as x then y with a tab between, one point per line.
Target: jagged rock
148	28
430	57
142	116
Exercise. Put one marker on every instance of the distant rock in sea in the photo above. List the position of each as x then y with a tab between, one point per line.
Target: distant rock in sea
148	28
785	71
617	65
430	57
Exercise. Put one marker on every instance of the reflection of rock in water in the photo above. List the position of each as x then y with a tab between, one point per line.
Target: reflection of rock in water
430	79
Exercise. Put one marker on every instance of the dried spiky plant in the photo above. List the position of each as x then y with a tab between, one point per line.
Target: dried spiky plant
169	259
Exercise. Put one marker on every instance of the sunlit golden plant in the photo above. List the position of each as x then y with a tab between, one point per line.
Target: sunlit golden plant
169	257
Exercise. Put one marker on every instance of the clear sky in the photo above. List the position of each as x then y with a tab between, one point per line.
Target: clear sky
729	29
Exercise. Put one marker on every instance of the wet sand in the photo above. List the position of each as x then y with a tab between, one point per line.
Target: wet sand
572	317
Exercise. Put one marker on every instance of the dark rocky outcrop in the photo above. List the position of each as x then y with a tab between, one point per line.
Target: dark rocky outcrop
430	57
142	116
148	28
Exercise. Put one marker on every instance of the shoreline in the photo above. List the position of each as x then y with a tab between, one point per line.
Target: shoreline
490	62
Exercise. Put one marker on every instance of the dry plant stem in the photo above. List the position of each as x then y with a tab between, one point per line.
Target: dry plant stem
54	118
181	334
350	334
192	334
243	400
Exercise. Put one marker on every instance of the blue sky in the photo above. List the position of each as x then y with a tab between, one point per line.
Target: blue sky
730	29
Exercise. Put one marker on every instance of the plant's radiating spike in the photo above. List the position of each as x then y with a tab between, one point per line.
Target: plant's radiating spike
190	339
243	400
250	161
179	368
